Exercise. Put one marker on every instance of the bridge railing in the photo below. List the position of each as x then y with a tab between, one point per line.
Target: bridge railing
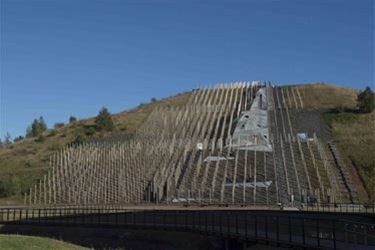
278	228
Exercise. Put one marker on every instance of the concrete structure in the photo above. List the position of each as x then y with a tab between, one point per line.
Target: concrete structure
252	130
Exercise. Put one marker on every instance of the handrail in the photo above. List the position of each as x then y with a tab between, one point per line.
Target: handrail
280	228
355	208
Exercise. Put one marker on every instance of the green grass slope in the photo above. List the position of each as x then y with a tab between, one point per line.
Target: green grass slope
17	242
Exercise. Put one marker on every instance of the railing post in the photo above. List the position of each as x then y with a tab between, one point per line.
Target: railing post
334	234
186	219
221	223
206	223
246	235
228	223
199	220
133	213
289	229
318	232
256	228
7	214
303	232
236	223
266	227
99	219
59	214
175	221
20	216
193	221
39	215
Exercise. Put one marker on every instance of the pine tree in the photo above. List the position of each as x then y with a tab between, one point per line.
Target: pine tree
37	128
366	101
104	121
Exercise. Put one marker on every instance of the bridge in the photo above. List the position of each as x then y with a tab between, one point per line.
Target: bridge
313	228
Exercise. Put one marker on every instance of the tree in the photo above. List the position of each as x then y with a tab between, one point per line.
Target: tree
104	121
153	99
7	139
366	100
18	138
37	128
72	119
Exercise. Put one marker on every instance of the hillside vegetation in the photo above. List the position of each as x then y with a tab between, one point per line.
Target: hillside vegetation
25	161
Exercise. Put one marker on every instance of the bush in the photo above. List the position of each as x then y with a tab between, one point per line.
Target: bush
9	186
40	138
59	125
79	139
18	138
72	119
90	131
53	132
366	101
153	99
104	121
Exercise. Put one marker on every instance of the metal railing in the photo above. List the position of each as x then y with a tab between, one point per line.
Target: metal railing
279	228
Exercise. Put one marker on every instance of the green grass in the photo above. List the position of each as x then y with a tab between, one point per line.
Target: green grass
17	242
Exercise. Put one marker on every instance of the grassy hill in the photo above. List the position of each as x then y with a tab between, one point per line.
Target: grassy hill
27	160
354	134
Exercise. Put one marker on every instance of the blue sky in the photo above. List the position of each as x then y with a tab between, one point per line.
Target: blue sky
71	57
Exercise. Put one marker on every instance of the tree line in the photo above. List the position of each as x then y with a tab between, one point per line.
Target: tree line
38	128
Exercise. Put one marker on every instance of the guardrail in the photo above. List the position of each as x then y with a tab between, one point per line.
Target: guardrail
342	208
279	228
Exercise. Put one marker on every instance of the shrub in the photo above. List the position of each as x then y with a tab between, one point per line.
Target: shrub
104	121
9	186
79	139
153	99
40	138
366	101
53	132
72	119
90	131
18	138
59	125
